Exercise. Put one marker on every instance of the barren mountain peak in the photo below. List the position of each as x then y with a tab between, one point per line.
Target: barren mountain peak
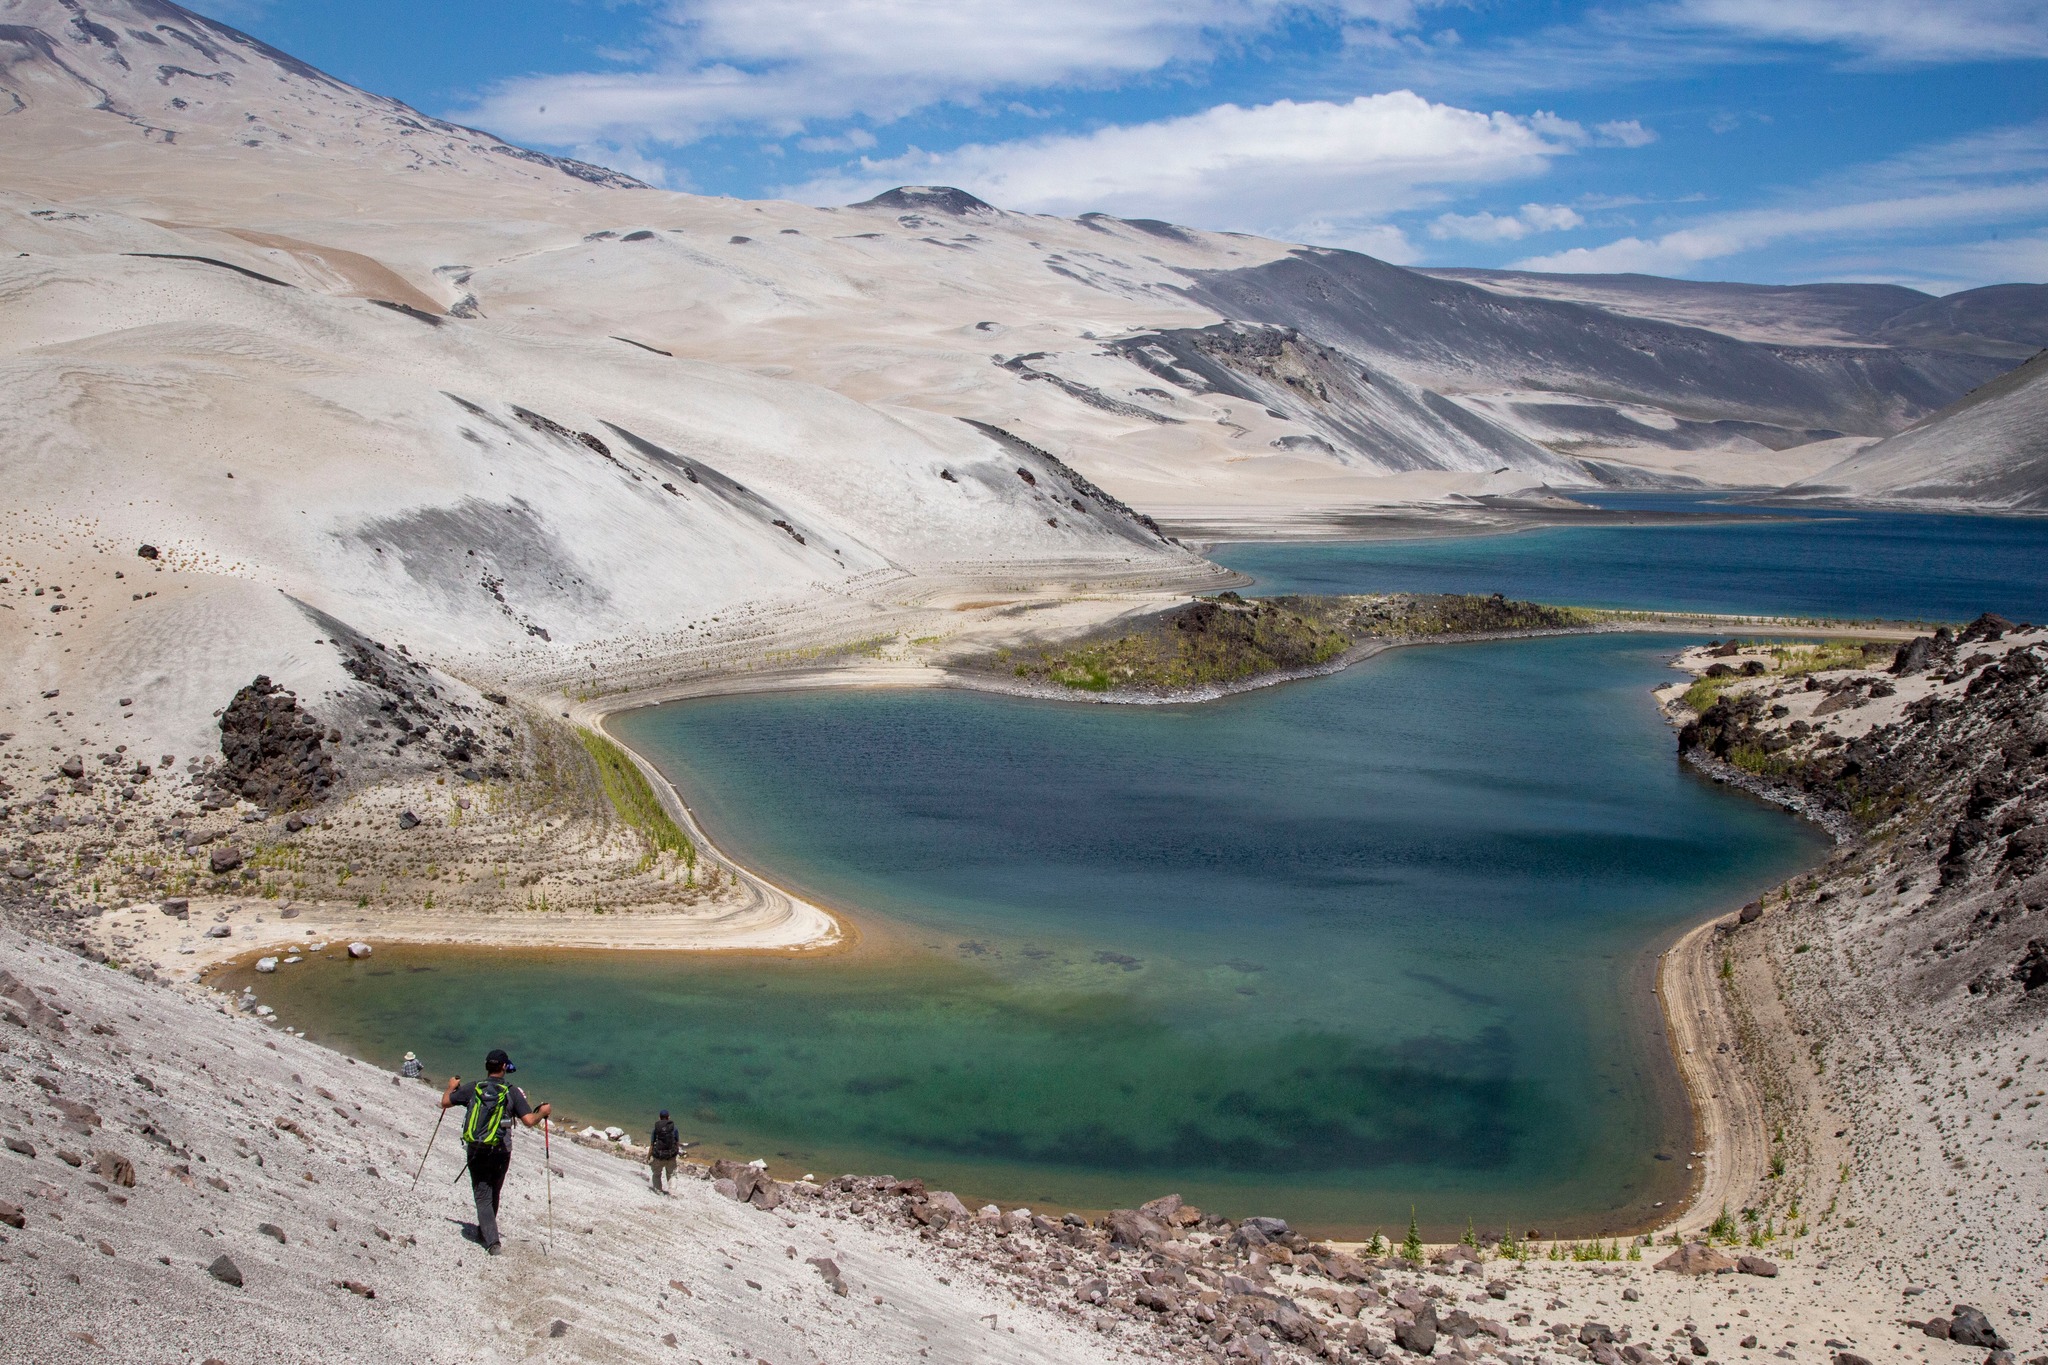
78	74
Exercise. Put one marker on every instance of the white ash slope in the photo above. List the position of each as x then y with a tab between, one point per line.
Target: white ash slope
1891	1005
1987	451
197	1102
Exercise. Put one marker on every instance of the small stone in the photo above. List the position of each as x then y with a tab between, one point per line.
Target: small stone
115	1169
271	1230
1757	1265
1696	1258
146	552
225	858
178	907
356	1287
558	1328
1699	1348
11	1215
1849	1358
218	931
266	964
294	823
359	950
23	1146
226	1271
407	820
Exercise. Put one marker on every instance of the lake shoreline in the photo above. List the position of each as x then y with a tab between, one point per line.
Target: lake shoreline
773	919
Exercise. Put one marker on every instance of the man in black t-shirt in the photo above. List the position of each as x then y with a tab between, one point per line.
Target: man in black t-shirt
493	1103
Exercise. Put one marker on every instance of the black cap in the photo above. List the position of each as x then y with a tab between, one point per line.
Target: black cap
664	1113
499	1059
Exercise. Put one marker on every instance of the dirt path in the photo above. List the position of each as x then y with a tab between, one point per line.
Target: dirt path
1728	1116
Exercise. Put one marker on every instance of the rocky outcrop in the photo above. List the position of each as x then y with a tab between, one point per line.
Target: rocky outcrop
273	752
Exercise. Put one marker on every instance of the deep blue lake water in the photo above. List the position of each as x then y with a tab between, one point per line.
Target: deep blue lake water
1803	562
1324	950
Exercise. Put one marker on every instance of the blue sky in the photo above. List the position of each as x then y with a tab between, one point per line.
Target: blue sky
1767	140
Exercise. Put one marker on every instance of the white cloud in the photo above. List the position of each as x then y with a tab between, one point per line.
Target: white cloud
1281	167
1979	181
1624	133
628	160
1511	227
1890	31
852	140
782	64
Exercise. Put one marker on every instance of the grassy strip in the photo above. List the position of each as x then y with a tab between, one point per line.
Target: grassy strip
1791	660
634	799
1227	638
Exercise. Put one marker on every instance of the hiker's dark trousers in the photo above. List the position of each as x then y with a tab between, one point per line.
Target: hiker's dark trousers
487	1167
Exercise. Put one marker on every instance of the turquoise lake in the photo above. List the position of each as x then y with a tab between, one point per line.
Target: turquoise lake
1329	951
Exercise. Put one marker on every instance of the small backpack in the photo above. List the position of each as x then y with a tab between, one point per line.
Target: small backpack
485	1125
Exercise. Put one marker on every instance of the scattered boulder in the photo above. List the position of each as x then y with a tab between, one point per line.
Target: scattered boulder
1757	1265
146	552
218	931
1418	1336
11	1215
1970	1327
1595	1333
266	964
407	820
1849	1358
1130	1228
1161	1209
272	1230
828	1270
2031	971
1350	1270
115	1169
224	858
359	950
1936	1328
72	767
1697	1258
226	1271
178	907
1158	1298
357	1287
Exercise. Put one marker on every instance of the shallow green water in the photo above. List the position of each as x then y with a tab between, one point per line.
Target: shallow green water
1325	951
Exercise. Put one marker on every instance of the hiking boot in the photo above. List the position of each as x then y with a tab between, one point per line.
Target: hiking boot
494	1250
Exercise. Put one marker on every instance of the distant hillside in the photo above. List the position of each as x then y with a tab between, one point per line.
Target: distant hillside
1989	451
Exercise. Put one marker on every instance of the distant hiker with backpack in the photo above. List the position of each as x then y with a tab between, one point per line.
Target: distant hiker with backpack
493	1103
662	1149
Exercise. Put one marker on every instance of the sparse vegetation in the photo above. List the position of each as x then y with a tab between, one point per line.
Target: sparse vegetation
634	800
1227	638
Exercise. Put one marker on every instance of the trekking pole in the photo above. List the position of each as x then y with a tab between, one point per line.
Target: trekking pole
547	1161
429	1152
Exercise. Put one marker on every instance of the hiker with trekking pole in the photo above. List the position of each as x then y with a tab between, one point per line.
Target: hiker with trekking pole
492	1104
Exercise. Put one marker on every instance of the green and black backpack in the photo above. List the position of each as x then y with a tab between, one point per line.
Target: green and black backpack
485	1125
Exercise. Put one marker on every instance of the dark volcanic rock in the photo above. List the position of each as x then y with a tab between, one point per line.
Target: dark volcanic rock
1418	1336
273	750
1970	1327
2031	971
226	1271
